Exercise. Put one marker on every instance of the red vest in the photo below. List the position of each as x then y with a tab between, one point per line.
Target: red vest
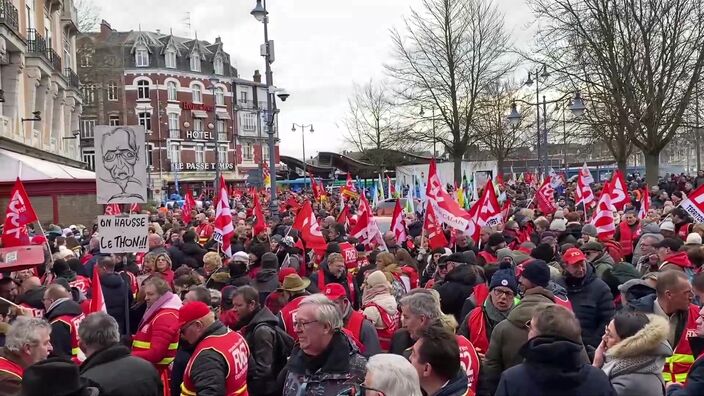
350	284
349	253
142	340
391	323
353	328
36	313
683	231
677	366
234	350
73	322
488	257
469	360
476	327
288	316
626	237
81	283
565	303
10	367
204	231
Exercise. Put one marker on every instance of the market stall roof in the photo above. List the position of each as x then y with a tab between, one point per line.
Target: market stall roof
29	168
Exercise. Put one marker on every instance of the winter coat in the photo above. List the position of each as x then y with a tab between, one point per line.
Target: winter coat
177	256
602	263
646	304
33	298
508	337
592	304
194	252
553	366
117	373
456	287
368	336
210	366
266	281
10	385
385	301
634	365
163	328
455	387
118	298
677	261
343	365
330	278
258	331
60	331
695	377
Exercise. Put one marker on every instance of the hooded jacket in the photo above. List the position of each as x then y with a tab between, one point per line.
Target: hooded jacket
455	289
118	298
60	331
602	263
266	281
553	366
676	261
592	304
634	365
258	331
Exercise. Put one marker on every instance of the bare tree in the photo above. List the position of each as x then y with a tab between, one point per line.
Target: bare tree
448	53
638	60
88	15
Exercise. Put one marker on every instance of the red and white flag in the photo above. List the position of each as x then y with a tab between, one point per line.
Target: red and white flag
307	225
260	223
19	213
448	211
188	206
349	184
398	224
619	191
224	230
433	230
97	301
644	203
584	193
366	229
134	208
344	217
489	211
113	209
586	174
694	204
506	209
603	218
545	197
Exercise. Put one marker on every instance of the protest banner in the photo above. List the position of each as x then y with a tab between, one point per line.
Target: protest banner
123	234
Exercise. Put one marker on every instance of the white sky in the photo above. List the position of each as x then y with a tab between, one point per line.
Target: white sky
322	47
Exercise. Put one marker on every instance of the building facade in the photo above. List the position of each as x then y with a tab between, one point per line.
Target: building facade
183	91
40	102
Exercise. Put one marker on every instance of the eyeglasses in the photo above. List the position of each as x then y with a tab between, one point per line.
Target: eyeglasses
358	390
187	325
500	292
302	325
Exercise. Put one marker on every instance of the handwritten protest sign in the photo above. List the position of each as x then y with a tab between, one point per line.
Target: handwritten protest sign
123	234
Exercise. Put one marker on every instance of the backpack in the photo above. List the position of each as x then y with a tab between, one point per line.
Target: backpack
283	345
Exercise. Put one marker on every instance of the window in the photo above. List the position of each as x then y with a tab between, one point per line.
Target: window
88	91
170	58
265	154
243	97
86	58
68	59
200	153
145	119
89	159
112	91
218	66
87	127
222	153
220	128
114	120
143	89
247	151
195	61
141	57
171	90
175	152
173	122
249	122
219	97
150	149
197	94
197	125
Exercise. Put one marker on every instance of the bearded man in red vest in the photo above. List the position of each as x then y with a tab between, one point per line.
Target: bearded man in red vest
627	234
361	329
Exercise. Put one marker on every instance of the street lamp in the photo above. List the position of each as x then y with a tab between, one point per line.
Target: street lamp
303	136
213	82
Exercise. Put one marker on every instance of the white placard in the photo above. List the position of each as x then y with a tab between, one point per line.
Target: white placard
123	234
120	164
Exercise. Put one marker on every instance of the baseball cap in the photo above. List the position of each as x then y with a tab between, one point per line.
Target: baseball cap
573	256
192	311
671	243
334	291
240	256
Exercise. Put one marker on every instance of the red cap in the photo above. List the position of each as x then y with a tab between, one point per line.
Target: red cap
284	272
38	240
334	291
192	311
573	256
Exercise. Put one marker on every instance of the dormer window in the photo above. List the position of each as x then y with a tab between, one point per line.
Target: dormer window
141	56
195	61
170	59
218	66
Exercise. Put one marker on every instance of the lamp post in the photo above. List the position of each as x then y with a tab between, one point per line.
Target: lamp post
435	152
213	82
576	106
303	137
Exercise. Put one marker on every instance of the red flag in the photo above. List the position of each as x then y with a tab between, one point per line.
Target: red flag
500	179
489	211
19	213
307	225
188	206
365	229
506	209
349	184
134	208
259	224
224	229
584	193
445	207
97	302
644	203
113	209
603	215
344	216
586	174
619	192
694	204
398	224
436	238
545	196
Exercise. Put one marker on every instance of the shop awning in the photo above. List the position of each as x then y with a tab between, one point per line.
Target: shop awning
223	115
199	114
13	165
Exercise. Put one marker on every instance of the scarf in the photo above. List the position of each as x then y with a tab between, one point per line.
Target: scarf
155	307
494	314
370	292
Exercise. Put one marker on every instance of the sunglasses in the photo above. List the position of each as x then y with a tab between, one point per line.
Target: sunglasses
358	390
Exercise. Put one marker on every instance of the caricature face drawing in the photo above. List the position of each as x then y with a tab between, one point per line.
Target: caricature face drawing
120	155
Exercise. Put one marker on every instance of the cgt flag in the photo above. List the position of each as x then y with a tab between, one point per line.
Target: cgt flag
545	197
224	231
398	224
694	204
307	225
445	207
19	213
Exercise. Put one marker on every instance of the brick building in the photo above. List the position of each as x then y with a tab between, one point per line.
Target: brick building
184	92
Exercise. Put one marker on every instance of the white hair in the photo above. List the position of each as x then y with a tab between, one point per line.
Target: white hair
326	312
25	331
422	302
393	375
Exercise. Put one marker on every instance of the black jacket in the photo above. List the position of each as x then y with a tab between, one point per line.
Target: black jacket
193	251
455	387
209	368
266	281
60	330
330	278
553	366
592	303
401	341
33	298
177	256
261	337
456	287
117	373
118	298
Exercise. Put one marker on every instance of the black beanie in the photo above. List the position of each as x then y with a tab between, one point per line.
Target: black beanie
495	239
537	271
543	252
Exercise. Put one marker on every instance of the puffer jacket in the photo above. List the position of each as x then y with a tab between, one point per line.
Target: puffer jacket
634	365
455	289
343	365
592	304
602	263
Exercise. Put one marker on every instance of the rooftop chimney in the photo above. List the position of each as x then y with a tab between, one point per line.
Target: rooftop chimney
105	28
257	77
218	40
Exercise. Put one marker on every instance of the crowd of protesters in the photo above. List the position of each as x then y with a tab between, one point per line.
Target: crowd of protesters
539	305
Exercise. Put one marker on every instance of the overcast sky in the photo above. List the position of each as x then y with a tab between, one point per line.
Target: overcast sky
322	47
